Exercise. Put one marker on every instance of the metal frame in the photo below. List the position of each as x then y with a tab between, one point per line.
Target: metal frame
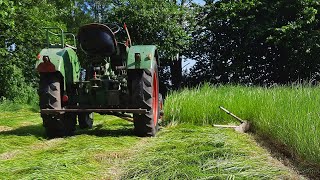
74	38
63	35
55	34
57	111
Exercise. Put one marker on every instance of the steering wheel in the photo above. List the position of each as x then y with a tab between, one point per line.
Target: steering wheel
114	27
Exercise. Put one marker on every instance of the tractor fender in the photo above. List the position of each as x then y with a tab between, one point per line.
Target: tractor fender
60	60
142	57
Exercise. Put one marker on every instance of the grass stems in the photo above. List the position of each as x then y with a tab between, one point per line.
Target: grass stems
12	106
194	152
26	154
290	115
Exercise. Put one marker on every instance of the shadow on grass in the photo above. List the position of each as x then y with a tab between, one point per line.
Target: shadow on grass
98	130
30	130
288	158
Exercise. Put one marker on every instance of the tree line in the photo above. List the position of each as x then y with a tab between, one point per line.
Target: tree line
255	42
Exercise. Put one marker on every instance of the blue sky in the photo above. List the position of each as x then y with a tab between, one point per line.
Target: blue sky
201	2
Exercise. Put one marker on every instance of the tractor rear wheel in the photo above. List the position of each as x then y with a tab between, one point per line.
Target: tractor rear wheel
56	125
145	95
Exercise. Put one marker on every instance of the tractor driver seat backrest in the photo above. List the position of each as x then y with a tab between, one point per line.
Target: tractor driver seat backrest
97	40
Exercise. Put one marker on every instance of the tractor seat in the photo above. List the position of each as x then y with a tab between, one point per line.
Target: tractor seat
97	40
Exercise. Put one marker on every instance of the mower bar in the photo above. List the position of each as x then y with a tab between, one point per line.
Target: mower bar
57	111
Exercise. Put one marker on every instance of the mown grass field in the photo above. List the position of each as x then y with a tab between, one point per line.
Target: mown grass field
111	151
289	116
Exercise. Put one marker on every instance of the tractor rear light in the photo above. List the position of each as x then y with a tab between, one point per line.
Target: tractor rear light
137	57
65	98
46	65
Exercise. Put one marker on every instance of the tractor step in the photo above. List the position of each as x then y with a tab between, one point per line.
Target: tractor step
57	111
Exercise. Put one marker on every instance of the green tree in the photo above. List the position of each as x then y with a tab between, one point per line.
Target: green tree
23	40
6	24
164	23
74	13
257	42
28	36
7	12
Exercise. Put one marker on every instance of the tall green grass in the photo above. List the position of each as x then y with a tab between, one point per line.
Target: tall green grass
289	115
12	106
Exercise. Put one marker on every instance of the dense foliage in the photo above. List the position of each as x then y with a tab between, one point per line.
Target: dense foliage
21	40
257	42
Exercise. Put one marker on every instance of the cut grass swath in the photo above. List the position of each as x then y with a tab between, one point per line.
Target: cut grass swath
111	151
195	152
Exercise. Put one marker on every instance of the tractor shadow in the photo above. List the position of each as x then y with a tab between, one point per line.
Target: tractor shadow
98	130
29	130
101	131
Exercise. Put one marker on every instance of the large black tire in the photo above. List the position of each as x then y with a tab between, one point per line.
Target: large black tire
145	94
58	125
85	120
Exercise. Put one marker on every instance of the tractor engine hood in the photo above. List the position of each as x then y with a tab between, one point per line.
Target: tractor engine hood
97	40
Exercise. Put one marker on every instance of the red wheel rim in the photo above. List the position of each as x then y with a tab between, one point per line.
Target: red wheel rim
155	98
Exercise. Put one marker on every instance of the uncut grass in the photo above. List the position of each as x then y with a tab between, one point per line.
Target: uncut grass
289	115
194	152
26	154
11	106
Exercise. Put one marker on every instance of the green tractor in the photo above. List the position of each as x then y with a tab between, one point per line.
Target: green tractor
118	79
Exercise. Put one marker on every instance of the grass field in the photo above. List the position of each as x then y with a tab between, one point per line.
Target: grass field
290	116
111	151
